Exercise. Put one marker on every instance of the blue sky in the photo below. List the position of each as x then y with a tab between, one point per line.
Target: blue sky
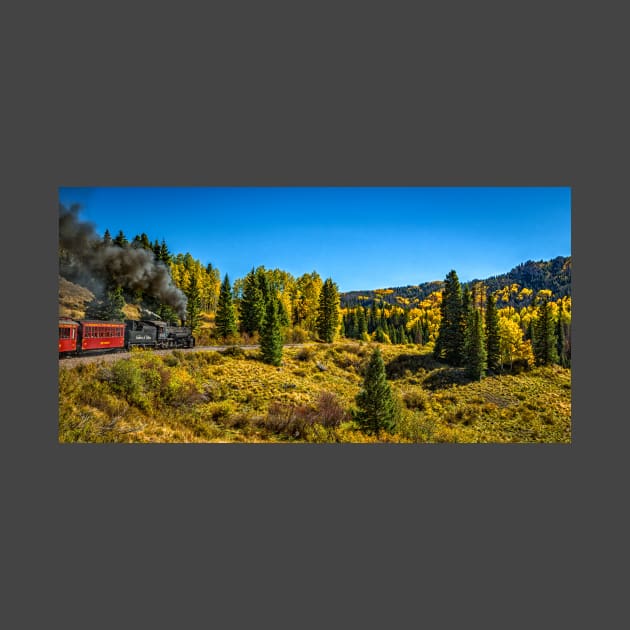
364	238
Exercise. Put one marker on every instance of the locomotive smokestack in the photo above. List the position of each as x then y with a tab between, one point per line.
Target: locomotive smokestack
90	260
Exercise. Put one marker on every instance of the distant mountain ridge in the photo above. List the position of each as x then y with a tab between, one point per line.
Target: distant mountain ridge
553	275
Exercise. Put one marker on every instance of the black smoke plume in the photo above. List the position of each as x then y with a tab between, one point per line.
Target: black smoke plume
84	258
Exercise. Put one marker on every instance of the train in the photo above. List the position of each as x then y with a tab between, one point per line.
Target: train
79	336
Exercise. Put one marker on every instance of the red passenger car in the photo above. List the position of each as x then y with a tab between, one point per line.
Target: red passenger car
97	335
68	334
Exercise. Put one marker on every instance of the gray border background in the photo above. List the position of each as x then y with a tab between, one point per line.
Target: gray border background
312	536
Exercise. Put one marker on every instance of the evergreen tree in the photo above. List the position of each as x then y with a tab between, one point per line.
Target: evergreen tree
167	313
492	335
193	306
107	238
475	347
544	340
416	333
529	334
467	302
225	318
402	335
377	407
121	239
563	358
252	305
141	240
271	335
328	312
156	249
263	285
380	336
362	323
165	254
450	342
109	308
372	321
352	325
425	329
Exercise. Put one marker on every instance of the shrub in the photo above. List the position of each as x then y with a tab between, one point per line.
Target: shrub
416	399
233	351
329	411
219	411
290	420
180	388
297	335
127	378
305	354
416	427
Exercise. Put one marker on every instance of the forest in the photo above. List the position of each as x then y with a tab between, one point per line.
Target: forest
455	335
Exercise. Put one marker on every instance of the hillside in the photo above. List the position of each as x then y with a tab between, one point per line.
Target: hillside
234	397
74	298
554	275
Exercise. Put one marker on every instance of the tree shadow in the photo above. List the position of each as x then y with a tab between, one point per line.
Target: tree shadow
398	367
445	377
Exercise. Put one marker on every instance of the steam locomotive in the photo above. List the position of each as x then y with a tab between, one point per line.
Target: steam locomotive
78	336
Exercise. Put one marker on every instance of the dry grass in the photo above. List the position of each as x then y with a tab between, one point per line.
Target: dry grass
73	299
234	397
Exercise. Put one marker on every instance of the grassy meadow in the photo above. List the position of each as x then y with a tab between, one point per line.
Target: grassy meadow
232	396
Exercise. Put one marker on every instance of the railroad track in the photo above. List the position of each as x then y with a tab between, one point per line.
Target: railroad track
109	355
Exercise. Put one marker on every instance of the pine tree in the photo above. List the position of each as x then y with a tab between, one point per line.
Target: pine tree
493	352
193	306
225	318
328	312
563	359
271	335
372	321
425	329
107	238
402	335
121	239
377	407
109	308
362	323
263	284
467	302
252	305
544	340
450	342
141	240
475	347
354	323
165	254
